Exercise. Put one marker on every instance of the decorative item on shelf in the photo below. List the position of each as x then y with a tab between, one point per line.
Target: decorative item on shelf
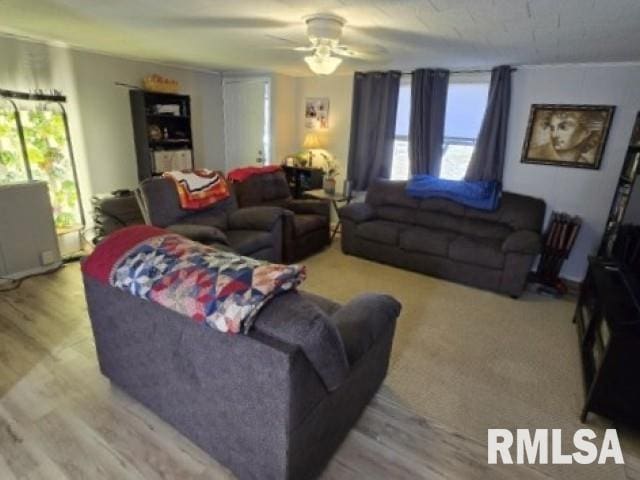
160	84
311	142
155	133
331	170
558	241
567	135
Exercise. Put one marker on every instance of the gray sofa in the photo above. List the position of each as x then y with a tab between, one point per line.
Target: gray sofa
254	231
274	404
490	250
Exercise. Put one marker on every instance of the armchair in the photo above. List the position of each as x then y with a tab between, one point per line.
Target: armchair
307	224
255	232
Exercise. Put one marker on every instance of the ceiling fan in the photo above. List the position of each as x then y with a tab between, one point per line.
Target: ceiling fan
324	31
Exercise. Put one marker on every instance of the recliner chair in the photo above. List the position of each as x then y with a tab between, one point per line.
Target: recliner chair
306	229
255	232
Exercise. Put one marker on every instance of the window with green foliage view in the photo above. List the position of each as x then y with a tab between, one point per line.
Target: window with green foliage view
47	149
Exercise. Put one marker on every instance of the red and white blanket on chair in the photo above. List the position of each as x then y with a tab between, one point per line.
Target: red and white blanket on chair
199	189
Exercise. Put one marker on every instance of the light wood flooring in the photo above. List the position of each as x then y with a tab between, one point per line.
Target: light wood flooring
60	418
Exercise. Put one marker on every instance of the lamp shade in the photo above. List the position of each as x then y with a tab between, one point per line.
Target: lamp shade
323	64
311	140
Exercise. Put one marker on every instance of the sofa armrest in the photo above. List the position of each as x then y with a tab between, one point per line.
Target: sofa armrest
357	212
255	218
199	233
361	321
313	207
523	241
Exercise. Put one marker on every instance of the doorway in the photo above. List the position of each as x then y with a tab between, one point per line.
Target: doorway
246	121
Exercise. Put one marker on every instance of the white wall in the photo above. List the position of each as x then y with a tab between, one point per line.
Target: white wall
587	193
99	112
339	90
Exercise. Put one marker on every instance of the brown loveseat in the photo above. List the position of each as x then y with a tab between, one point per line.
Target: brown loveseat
490	250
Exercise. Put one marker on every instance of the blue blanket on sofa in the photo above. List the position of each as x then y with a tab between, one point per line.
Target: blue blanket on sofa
483	195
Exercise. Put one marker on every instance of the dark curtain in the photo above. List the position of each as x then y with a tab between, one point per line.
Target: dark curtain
373	124
487	161
426	126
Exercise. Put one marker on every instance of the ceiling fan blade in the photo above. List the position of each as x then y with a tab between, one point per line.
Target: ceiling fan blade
229	22
309	48
361	52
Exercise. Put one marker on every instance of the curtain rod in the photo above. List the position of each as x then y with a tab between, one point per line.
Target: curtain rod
462	72
43	97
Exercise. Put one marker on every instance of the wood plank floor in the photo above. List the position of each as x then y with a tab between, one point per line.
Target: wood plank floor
60	418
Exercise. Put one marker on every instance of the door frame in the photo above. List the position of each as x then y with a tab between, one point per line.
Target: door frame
267	142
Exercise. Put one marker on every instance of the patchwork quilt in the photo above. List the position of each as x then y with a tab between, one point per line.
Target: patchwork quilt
198	189
222	289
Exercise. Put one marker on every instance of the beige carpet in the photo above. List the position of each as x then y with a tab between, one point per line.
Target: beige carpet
472	359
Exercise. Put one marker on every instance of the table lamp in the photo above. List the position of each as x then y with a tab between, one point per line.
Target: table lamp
311	141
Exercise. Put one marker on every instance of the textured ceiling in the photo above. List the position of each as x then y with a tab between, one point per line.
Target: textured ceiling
258	34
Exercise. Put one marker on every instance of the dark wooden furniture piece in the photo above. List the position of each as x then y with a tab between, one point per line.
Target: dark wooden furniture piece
301	179
608	323
162	132
630	170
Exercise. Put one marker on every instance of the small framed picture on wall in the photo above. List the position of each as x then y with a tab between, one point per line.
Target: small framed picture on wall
316	113
567	135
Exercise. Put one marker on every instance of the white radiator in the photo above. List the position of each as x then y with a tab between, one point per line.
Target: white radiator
28	240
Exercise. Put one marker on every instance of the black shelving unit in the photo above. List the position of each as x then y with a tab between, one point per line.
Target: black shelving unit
630	170
608	322
162	129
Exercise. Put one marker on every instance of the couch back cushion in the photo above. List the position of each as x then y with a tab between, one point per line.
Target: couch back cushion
520	212
267	188
294	319
390	193
161	202
515	212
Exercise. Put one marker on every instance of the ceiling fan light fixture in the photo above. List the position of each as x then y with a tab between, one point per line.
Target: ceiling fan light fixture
322	65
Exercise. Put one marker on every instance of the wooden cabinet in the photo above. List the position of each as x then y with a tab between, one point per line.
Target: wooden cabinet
608	322
162	132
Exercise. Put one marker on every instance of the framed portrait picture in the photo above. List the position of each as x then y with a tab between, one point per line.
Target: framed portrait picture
567	135
316	113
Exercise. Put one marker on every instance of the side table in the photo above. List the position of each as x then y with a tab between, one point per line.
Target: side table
335	199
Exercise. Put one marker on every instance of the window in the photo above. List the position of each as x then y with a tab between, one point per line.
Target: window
400	163
466	102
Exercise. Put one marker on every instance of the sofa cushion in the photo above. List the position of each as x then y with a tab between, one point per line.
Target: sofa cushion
477	251
304	224
442	205
380	231
362	320
390	193
396	214
464	226
245	242
295	320
519	212
274	187
425	240
200	233
437	220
